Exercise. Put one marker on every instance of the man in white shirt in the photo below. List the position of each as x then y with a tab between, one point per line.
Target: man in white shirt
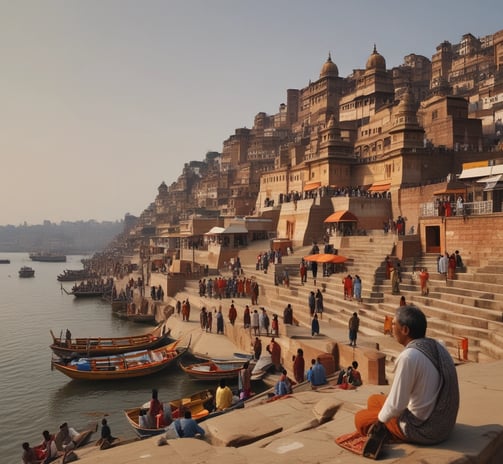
423	402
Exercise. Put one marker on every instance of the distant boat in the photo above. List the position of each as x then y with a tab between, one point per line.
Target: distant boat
26	271
4	261
48	257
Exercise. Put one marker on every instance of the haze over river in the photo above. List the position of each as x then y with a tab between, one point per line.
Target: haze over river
34	398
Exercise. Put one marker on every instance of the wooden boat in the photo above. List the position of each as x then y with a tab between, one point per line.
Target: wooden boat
101	346
26	271
87	293
121	366
118	305
89	289
141	318
199	404
213	370
48	257
72	275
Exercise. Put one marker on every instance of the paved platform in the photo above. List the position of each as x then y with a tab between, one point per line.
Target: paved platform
297	436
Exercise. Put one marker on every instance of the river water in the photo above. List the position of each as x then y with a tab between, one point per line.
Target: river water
32	397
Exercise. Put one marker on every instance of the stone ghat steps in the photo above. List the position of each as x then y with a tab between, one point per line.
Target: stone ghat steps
492	268
436	329
460	298
469	306
467	320
336	310
483	278
465	288
461	308
457	320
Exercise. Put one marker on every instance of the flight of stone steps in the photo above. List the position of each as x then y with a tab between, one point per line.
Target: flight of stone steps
470	306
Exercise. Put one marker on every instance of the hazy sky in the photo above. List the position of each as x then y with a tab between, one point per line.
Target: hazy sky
101	101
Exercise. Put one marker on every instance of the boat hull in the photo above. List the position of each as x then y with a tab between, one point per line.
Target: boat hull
199	405
120	367
82	347
48	258
210	371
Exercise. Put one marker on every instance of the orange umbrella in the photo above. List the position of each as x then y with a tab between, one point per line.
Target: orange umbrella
326	258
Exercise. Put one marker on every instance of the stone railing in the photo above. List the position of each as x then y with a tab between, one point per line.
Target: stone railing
469	209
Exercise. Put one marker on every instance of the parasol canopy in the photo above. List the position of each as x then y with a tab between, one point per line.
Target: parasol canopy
326	258
341	216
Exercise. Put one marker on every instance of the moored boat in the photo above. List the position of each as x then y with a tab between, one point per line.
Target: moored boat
141	318
48	257
213	370
69	348
26	271
121	366
95	288
72	275
199	404
87	293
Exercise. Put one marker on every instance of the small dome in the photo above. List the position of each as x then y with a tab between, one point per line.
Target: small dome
376	61
329	68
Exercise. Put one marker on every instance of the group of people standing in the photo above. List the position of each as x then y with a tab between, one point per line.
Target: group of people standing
448	263
352	287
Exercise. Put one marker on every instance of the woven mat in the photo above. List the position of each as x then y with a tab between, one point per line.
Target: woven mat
353	442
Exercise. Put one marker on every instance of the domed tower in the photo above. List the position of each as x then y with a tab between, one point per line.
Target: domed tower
376	61
374	89
329	68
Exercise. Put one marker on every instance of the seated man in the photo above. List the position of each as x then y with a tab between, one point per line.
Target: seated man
423	402
318	375
283	386
189	427
350	378
69	439
106	439
49	447
29	456
223	396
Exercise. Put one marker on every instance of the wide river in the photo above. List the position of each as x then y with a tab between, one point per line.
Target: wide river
34	398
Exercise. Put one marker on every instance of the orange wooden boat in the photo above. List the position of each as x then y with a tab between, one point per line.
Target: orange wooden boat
199	404
121	366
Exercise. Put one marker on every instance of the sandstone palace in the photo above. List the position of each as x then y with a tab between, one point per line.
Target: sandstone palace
421	142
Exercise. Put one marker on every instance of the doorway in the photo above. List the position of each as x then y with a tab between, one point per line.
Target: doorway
432	239
290	229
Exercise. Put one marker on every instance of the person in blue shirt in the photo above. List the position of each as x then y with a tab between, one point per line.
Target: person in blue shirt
189	427
318	375
283	386
309	373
